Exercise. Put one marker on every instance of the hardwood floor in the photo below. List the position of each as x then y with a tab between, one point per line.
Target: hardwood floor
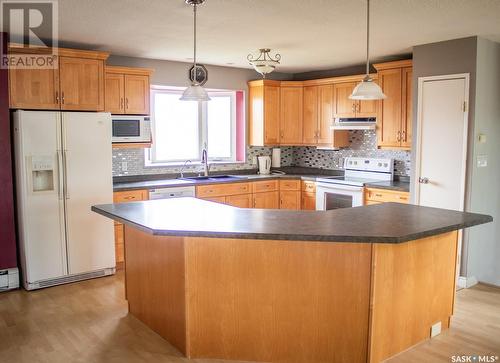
88	322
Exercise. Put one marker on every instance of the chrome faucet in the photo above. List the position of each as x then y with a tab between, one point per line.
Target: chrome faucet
204	161
184	167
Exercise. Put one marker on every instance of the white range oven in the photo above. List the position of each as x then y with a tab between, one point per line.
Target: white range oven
347	191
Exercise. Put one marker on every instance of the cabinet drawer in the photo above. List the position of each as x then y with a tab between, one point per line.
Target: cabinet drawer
381	195
219	190
130	196
309	186
289	184
265	186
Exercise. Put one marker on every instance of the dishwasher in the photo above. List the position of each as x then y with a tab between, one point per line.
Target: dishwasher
174	192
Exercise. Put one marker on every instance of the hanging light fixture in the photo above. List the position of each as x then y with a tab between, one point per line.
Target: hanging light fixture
264	63
195	92
367	89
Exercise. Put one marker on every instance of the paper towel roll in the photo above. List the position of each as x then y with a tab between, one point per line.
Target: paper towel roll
276	160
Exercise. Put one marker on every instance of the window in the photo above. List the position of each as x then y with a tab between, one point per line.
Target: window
182	129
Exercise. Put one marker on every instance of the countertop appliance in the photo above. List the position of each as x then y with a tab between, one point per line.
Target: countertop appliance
129	128
354	123
347	191
174	192
264	165
63	167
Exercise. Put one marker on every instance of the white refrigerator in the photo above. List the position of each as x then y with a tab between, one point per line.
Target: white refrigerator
63	167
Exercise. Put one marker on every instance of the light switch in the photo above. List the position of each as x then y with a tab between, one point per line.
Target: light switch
482	138
482	161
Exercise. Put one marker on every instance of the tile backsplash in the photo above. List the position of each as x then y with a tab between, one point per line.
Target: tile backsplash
363	144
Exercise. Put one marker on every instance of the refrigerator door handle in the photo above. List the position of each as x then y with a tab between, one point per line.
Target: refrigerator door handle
60	175
65	158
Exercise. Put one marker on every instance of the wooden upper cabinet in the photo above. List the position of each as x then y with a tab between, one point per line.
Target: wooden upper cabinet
81	84
115	93
310	117
407	109
291	115
34	89
325	120
367	108
264	112
128	90
343	105
395	112
389	120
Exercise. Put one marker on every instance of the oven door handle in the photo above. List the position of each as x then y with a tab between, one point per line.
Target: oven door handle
327	187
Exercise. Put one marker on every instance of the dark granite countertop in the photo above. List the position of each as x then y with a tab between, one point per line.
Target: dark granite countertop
380	223
169	180
397	185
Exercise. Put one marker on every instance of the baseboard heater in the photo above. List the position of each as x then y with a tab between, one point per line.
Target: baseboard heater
68	279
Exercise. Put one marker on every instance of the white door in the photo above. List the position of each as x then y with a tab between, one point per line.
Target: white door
40	195
442	142
88	165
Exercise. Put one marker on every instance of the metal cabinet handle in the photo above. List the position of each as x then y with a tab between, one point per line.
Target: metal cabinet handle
57	97
403	135
126	103
398	138
121	103
62	97
423	180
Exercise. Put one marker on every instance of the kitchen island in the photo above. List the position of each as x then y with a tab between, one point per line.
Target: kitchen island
351	285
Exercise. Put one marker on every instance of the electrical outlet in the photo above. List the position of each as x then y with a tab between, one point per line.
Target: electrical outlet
436	329
254	160
482	161
124	166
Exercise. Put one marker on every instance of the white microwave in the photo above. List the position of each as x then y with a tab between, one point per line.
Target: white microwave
128	128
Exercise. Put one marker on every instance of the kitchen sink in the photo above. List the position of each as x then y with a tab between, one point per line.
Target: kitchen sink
213	178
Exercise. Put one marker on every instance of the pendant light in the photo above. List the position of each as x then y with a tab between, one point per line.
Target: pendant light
195	92
367	89
264	63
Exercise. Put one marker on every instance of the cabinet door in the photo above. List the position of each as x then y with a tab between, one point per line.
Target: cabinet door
82	84
136	94
308	201
271	115
266	200
343	106
310	117
240	201
291	115
290	200
406	122
389	118
115	97
34	89
367	108
325	97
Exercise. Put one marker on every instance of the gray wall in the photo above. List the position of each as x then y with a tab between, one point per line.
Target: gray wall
483	257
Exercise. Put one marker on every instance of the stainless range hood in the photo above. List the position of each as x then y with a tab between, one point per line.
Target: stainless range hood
354	123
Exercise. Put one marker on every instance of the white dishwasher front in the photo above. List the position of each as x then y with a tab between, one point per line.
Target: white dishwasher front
174	192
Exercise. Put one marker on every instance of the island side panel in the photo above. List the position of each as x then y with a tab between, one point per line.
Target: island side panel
155	283
413	288
261	300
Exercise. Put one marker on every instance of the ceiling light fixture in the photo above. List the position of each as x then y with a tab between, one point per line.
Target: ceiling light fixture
194	92
264	63
367	89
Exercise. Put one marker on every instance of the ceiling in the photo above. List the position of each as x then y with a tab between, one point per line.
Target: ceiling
309	34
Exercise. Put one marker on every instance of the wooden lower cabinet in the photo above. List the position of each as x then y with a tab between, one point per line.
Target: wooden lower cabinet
239	201
266	200
290	199
308	201
376	196
124	197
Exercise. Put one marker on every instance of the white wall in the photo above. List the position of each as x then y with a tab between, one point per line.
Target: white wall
483	255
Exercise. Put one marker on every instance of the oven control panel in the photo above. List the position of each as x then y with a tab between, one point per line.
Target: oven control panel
369	164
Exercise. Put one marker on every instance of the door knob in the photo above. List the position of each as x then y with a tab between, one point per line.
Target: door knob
423	180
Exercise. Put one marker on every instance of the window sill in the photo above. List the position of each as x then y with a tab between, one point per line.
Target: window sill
176	164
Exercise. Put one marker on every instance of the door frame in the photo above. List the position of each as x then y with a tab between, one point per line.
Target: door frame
418	146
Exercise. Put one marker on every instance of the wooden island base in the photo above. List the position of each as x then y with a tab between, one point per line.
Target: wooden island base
290	301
